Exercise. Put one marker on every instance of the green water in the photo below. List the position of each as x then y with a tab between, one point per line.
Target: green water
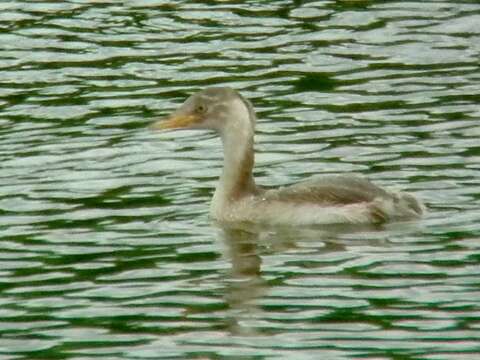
107	251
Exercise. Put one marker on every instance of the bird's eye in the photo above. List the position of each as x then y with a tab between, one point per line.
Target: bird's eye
201	109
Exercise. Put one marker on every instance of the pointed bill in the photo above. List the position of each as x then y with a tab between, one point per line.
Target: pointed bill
176	122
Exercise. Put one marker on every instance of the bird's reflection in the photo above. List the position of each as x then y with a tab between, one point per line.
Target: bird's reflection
245	283
245	246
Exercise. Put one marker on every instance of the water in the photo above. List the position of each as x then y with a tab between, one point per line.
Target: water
107	250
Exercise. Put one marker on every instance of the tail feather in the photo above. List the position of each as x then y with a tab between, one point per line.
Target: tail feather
400	206
411	204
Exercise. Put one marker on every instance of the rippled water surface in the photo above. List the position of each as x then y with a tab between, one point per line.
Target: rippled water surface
107	250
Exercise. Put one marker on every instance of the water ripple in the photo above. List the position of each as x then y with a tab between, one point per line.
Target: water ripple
107	250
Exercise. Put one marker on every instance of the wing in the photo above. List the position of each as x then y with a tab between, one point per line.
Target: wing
330	190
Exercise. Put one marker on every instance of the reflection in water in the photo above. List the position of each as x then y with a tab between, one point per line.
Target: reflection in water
246	284
324	249
247	243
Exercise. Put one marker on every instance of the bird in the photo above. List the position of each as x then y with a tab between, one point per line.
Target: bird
322	200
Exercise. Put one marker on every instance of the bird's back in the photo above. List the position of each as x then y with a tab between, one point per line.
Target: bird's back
330	190
340	198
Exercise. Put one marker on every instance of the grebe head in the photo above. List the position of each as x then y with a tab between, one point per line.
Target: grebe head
215	108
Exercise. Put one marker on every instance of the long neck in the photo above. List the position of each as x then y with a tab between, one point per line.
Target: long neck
237	179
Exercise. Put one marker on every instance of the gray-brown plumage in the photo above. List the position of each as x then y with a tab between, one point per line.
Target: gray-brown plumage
331	190
327	199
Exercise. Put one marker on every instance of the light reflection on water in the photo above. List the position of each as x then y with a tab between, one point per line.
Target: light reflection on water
107	249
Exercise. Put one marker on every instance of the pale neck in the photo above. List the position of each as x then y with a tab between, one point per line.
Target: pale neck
237	179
